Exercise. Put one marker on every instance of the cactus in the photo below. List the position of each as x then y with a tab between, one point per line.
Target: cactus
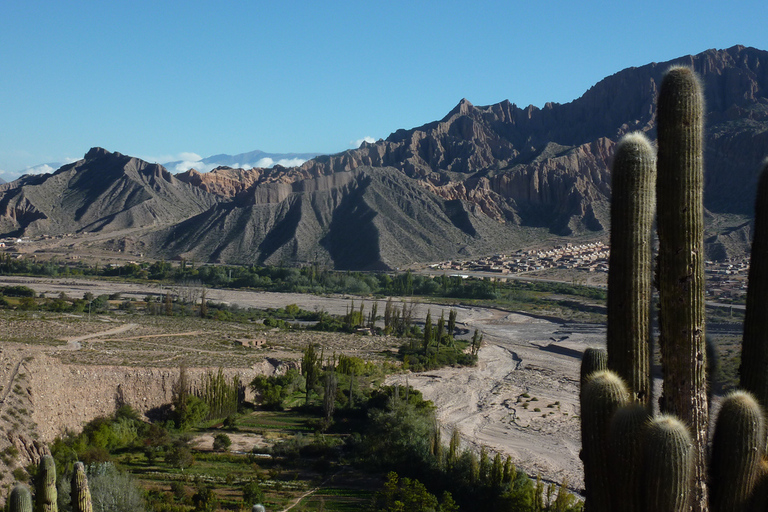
629	282
679	191
602	395
668	465
592	360
737	450
625	447
45	486
754	350
20	499
81	495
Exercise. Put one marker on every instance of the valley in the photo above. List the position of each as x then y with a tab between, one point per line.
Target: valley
486	404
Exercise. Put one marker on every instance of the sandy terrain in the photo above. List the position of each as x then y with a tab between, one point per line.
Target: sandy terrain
521	400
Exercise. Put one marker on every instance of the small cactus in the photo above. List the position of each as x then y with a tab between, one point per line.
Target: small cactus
629	283
603	394
737	450
20	499
668	463
45	486
81	495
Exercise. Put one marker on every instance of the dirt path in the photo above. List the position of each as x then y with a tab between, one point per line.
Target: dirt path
75	342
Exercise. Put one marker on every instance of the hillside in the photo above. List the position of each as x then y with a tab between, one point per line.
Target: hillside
480	180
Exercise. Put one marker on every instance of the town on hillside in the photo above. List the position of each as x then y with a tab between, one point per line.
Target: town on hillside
726	280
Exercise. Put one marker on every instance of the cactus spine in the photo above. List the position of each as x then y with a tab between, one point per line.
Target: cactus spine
45	496
629	283
754	349
20	499
668	465
679	190
603	394
737	450
81	495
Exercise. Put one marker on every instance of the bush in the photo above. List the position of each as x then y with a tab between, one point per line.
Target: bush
252	493
221	442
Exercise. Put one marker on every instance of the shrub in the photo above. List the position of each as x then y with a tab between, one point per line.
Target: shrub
221	442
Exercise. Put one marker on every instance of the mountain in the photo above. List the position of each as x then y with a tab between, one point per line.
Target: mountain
368	218
257	158
551	165
102	192
480	180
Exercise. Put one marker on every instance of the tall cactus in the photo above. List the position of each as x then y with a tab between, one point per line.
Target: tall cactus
630	282
754	349
602	395
45	486
668	465
20	499
81	495
679	191
738	448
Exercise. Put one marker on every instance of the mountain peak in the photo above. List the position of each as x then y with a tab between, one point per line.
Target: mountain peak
96	152
462	108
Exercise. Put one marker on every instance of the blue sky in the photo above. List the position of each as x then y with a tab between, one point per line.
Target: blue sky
164	78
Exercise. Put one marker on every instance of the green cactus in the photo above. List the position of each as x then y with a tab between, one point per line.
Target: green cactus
668	465
602	395
679	191
738	447
81	495
754	349
629	283
20	499
592	360
625	448
45	486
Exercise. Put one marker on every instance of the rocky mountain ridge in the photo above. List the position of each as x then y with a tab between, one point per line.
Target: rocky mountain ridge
480	180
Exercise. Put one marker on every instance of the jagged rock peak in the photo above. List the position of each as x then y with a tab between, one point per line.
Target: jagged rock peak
463	108
96	152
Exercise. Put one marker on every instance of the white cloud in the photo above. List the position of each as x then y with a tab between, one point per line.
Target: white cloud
291	162
357	143
39	169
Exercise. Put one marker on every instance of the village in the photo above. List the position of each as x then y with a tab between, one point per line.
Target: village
726	280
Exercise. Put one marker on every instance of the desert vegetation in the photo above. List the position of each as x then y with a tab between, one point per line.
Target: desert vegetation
348	446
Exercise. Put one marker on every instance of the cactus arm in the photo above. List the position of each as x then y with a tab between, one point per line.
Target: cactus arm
602	395
679	191
738	447
754	349
633	205
81	495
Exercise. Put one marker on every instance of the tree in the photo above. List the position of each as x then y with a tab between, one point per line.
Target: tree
329	397
310	369
180	394
440	328
427	332
205	499
252	493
